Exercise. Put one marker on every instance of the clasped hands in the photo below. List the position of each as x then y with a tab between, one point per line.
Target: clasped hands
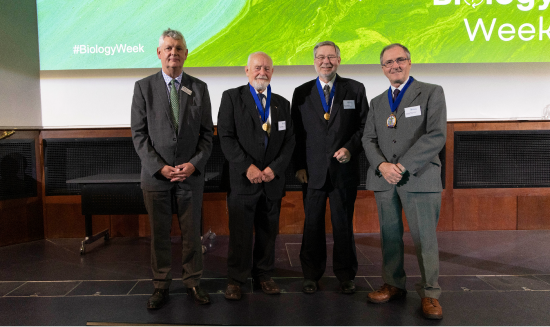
342	155
392	173
178	173
256	176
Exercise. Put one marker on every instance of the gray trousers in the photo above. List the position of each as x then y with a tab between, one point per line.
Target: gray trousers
159	207
422	213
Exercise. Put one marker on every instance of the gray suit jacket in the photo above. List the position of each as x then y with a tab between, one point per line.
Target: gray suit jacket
155	140
415	142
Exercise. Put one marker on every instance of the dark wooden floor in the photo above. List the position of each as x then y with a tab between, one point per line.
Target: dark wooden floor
488	278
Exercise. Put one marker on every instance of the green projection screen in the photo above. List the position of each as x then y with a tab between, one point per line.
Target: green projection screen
113	34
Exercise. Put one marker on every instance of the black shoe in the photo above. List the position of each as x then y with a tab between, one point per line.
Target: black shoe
233	292
159	298
347	287
309	286
199	295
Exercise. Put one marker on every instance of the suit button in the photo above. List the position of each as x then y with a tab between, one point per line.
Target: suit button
174	140
394	141
394	156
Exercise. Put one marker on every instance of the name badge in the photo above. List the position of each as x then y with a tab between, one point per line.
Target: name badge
186	90
349	104
412	111
282	125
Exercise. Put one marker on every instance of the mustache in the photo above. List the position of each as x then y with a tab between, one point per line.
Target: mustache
261	77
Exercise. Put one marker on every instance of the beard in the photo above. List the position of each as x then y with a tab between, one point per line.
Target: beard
260	83
327	76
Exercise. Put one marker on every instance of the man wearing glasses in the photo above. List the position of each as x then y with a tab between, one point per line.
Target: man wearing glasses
329	116
405	131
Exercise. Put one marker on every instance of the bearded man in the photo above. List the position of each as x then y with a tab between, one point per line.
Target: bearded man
257	139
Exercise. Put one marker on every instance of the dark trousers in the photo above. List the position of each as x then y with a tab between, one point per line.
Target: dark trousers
249	255
159	207
313	254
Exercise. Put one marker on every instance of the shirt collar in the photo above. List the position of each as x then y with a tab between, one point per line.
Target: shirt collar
168	79
330	83
264	92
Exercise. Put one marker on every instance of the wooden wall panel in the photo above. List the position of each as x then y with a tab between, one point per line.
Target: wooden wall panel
291	220
124	225
100	222
534	212
21	221
462	209
63	217
214	210
365	219
85	133
485	213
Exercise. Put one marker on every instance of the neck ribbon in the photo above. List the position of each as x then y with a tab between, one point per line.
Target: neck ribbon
395	104
264	113
326	106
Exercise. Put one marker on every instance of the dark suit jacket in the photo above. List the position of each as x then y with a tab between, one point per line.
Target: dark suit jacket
155	140
317	141
242	140
415	142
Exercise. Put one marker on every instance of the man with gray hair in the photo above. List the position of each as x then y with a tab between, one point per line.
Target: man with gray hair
257	139
329	115
172	133
405	131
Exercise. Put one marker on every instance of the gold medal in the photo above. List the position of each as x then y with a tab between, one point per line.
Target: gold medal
264	127
327	116
391	121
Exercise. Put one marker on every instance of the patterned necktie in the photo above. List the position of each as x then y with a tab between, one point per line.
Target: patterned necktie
174	104
326	90
261	96
395	94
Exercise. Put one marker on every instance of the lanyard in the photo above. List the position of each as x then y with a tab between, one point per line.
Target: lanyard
395	104
326	105
264	113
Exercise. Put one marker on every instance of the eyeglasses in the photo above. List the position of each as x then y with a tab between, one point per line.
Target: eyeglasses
399	61
322	58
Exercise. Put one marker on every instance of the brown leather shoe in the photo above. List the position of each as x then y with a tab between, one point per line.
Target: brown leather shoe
431	308
233	292
386	293
199	295
270	287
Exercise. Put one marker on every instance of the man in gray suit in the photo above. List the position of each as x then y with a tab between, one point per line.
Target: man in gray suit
172	133
405	131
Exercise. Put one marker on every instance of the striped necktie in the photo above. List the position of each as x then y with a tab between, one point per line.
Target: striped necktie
174	104
326	90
